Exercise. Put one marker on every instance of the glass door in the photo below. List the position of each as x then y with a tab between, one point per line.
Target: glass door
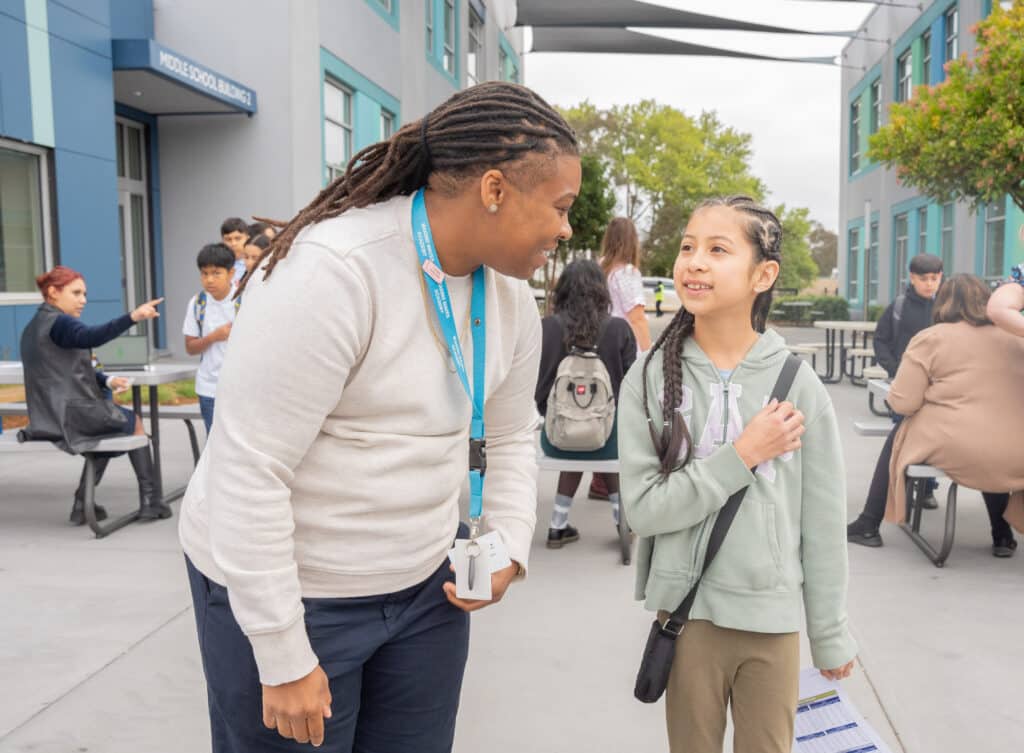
133	218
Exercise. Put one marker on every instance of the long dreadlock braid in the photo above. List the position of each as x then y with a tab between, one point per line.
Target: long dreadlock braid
764	231
488	125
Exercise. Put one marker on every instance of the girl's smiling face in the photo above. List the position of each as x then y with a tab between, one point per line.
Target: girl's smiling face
717	269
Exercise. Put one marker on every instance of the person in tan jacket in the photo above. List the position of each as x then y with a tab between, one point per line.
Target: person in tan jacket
960	386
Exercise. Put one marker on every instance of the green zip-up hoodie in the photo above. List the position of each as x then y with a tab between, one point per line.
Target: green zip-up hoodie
789	536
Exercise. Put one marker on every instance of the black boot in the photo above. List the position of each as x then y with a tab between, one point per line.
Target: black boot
150	506
77	517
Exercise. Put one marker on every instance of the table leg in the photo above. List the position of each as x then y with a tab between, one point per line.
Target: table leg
154	418
829	376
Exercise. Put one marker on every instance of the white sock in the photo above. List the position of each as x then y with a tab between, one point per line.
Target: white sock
615	498
560	513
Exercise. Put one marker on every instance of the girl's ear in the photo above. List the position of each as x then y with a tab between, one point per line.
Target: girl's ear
493	190
766	275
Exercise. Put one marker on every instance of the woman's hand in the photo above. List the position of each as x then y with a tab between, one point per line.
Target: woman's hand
298	709
838	674
147	310
119	384
499	584
774	431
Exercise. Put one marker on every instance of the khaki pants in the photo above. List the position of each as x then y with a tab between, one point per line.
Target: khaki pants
759	673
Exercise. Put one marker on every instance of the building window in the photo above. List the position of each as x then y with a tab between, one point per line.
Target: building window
947	238
876	106
24	210
952	25
922	230
872	274
904	76
385	4
855	136
337	128
448	59
430	28
901	242
853	268
926	57
995	240
387	125
475	58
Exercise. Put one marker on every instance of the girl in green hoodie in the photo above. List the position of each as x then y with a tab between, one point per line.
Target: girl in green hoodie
715	366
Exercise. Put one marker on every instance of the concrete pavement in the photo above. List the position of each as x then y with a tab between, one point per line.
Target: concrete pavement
98	648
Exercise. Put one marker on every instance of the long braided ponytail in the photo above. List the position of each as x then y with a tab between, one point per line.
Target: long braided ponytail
492	124
764	231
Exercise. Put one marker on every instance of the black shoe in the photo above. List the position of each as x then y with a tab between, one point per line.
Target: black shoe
864	533
1004	547
77	517
928	502
559	537
150	506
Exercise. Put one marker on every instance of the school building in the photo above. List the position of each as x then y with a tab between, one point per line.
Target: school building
881	223
130	128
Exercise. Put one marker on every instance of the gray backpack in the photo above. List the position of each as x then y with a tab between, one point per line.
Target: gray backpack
581	405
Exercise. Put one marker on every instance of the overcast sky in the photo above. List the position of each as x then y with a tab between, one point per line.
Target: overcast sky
791	110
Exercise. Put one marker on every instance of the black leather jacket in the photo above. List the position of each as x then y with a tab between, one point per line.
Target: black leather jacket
65	403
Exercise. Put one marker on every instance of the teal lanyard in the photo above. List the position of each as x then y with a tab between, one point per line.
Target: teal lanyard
438	293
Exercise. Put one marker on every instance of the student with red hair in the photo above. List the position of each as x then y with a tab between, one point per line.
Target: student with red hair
68	399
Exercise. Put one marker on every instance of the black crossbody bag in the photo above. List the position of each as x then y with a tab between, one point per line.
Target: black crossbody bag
656	664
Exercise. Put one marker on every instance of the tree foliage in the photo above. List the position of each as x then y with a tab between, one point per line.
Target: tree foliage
798	267
963	139
824	248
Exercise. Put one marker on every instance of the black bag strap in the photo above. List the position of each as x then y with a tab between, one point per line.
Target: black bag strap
674	624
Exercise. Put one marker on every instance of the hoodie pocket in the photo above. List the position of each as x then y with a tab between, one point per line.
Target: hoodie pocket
750	558
681	553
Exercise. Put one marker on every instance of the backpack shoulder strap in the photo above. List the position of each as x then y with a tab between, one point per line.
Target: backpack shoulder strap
728	512
200	311
897	312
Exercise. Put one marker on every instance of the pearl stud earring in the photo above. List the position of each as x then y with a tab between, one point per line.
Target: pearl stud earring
493	209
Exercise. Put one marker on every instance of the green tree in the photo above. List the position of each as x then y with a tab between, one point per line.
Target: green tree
824	248
798	267
964	138
662	163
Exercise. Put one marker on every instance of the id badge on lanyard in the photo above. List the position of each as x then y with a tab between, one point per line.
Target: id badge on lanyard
437	289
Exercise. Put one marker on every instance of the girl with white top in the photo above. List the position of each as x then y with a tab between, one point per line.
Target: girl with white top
318	523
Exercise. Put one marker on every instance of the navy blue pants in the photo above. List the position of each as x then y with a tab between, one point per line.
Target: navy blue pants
206	409
395	664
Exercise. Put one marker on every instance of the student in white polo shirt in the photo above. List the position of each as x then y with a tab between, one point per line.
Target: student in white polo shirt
208	321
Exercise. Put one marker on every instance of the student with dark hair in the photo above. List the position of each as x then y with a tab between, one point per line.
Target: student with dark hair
581	322
208	321
390	347
234	233
68	399
959	385
697	425
254	250
259	228
909	313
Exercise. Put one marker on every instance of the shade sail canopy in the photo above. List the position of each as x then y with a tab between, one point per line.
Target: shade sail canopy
611	40
623	13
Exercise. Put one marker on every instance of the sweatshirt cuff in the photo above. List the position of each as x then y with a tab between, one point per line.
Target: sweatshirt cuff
284	656
833	652
727	467
517	535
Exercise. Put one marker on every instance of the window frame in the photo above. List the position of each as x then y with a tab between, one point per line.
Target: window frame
905	75
926	57
947	231
987	273
387	124
45	216
853	264
448	51
430	25
334	171
876	106
952	40
873	262
476	35
855	118
922	229
900	256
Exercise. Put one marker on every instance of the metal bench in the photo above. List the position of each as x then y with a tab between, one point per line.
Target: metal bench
808	349
916	475
560	465
876	377
864	354
873	428
9	444
187	413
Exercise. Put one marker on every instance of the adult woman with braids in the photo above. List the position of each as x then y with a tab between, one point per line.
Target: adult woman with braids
326	511
581	320
714	368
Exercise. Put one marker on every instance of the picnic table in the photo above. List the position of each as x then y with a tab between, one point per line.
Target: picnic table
153	375
835	344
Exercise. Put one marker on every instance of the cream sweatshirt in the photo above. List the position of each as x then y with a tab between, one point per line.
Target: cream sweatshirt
340	444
